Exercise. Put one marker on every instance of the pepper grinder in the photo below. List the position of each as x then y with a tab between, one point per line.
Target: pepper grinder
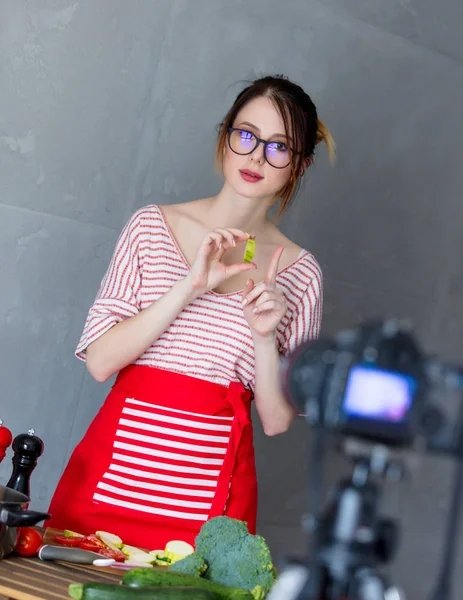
5	440
27	449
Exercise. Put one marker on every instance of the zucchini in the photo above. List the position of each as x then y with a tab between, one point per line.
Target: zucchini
249	250
111	591
176	550
144	578
69	533
111	540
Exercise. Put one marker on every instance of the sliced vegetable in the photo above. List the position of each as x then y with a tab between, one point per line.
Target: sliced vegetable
133	563
130	550
111	591
141	556
69	533
111	540
160	558
176	550
74	542
249	250
92	543
116	554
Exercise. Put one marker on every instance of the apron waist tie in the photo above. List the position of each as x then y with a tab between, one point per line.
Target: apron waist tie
239	398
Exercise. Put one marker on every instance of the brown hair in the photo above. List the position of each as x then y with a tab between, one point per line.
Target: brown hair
301	123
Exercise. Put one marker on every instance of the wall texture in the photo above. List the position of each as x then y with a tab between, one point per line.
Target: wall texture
105	106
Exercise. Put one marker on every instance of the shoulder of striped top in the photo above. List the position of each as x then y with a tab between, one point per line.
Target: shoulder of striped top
303	271
151	211
314	270
306	277
304	280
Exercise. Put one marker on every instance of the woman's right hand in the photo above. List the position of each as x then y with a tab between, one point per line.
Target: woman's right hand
208	271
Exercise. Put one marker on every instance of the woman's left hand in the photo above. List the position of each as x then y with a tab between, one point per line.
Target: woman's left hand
264	304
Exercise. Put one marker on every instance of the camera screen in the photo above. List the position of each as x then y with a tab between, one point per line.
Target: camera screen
377	394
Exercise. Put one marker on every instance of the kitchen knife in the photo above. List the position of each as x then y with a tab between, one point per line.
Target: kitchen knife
74	555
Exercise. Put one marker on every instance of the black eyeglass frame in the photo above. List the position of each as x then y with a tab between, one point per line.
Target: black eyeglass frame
258	142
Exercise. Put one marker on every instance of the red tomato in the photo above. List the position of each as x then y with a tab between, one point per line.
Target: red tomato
67	541
5	437
116	555
92	543
29	541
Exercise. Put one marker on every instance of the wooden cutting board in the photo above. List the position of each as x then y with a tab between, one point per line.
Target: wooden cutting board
34	579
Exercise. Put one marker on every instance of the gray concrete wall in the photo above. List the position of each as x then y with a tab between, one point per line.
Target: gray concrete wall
99	102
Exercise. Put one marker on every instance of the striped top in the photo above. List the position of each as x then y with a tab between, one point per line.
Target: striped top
210	339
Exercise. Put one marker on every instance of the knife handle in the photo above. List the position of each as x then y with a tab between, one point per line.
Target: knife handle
72	555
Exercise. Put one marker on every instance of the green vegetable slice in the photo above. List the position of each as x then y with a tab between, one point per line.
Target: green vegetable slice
249	250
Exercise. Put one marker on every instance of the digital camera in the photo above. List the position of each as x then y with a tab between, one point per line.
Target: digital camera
374	382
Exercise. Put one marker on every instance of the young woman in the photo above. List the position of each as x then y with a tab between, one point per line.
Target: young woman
195	333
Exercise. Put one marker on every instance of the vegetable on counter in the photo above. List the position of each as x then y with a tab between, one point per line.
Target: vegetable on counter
111	540
177	550
64	540
151	578
95	544
73	534
137	557
29	541
112	546
193	564
160	558
109	591
233	556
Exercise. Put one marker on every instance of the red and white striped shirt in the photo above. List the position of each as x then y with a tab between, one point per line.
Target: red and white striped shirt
210	339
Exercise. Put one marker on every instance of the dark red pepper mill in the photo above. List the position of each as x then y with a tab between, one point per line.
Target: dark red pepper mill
27	449
5	440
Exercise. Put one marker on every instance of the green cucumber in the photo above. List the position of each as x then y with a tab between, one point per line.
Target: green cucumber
144	578
111	591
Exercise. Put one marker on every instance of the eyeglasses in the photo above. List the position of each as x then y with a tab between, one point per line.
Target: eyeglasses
243	142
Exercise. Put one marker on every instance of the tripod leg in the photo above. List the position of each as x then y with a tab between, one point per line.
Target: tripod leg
374	587
291	584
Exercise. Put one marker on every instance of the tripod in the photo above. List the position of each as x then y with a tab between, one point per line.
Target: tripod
351	541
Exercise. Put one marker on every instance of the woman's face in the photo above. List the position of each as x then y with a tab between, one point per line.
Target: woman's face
250	175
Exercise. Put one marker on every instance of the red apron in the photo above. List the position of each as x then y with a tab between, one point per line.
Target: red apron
165	453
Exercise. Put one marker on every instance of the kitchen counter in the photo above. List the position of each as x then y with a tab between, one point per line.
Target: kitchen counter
33	579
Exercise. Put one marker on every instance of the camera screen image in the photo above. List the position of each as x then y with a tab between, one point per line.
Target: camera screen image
375	394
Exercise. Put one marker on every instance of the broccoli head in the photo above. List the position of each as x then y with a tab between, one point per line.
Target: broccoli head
235	557
192	564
